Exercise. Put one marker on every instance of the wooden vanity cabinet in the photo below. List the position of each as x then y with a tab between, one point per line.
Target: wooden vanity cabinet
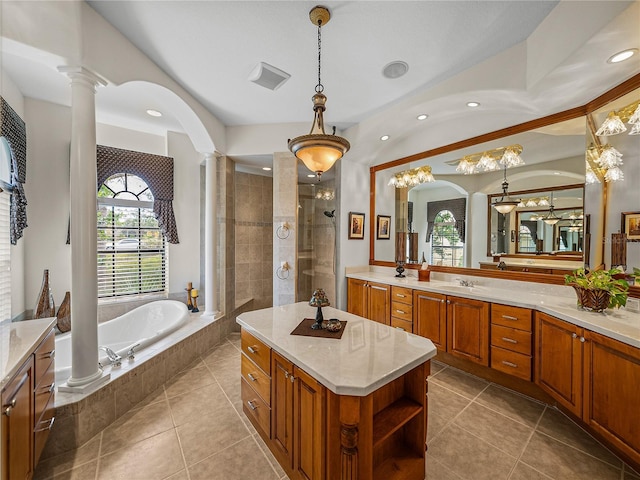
468	329
369	300
255	389
511	340
17	425
402	308
558	364
430	317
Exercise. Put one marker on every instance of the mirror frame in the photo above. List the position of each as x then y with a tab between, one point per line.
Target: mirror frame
616	92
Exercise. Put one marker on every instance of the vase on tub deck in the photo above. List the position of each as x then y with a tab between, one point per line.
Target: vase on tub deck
45	306
64	314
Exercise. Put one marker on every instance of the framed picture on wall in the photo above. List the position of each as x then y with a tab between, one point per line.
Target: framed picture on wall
383	227
631	225
356	225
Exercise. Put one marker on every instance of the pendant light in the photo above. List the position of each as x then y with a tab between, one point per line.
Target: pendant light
551	218
317	150
506	204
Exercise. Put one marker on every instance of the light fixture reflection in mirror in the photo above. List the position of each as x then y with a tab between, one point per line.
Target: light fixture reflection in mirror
505	204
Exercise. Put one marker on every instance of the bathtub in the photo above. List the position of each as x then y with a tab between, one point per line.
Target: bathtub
143	325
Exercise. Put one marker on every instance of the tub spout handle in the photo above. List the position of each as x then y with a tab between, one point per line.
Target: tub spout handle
130	353
114	358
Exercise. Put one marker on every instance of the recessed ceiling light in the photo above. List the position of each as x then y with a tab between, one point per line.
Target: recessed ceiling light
473	104
311	175
422	116
622	56
384	138
556	173
266	169
154	113
395	69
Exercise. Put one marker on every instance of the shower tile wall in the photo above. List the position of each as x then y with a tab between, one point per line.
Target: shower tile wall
254	239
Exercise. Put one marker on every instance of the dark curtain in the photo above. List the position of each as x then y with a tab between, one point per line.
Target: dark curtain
12	127
155	170
532	225
457	206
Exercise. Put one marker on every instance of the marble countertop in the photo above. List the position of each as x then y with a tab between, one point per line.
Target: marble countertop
368	355
559	265
18	340
556	300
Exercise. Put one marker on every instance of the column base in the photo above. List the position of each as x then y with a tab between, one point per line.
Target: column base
211	314
86	384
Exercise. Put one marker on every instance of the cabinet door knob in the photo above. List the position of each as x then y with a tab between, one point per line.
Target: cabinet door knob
574	335
10	406
292	378
251	405
582	339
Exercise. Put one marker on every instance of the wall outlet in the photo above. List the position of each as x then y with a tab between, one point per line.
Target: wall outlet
633	304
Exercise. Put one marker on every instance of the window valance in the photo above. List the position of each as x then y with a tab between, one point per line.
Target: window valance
12	127
457	206
155	170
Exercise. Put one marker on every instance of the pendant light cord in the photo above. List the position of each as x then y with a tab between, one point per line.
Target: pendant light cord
319	87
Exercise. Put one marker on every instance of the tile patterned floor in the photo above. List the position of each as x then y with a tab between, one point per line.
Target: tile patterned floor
193	428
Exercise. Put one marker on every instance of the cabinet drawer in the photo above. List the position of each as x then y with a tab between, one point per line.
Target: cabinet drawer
257	351
43	391
511	339
514	317
44	355
513	363
254	407
257	379
405	325
43	426
402	310
402	295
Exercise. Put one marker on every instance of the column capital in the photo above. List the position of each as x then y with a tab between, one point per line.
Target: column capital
82	75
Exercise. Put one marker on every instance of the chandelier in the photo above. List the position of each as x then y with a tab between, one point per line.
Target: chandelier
505	204
317	150
534	202
615	121
603	163
413	177
491	160
551	218
326	194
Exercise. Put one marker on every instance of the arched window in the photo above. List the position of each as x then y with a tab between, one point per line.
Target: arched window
131	247
446	246
525	240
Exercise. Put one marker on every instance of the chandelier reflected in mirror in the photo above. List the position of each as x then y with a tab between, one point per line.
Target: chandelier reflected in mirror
413	177
505	204
490	160
317	150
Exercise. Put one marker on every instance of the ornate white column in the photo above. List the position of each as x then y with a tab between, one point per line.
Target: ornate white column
210	235
84	263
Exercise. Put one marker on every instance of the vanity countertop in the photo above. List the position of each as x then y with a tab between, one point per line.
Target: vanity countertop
556	300
18	340
368	355
559	264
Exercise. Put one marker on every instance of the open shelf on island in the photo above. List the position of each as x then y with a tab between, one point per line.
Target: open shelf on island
400	467
392	418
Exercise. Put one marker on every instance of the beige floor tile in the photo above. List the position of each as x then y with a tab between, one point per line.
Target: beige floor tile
234	339
240	461
508	435
237	405
196	377
83	472
511	404
272	460
154	397
525	472
436	471
469	457
560	427
560	461
460	382
435	425
56	465
181	475
436	367
221	354
154	458
445	402
210	434
136	425
189	407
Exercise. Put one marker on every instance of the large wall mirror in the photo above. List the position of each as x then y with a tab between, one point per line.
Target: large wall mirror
553	150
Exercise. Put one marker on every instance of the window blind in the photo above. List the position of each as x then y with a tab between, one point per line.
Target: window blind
5	258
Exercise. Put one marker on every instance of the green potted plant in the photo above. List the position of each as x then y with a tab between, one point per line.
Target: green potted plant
598	290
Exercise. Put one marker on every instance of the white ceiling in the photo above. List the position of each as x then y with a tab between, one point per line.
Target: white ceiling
210	47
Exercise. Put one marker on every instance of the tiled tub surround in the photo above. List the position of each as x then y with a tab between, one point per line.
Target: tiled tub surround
80	417
477	431
556	300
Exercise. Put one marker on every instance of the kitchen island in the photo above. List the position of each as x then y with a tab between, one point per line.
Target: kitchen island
349	408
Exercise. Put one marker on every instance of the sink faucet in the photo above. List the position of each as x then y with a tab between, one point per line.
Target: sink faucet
502	265
114	358
466	283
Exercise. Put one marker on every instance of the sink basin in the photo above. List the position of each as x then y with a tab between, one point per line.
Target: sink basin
463	289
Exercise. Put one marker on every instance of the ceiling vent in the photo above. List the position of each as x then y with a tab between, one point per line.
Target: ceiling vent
268	76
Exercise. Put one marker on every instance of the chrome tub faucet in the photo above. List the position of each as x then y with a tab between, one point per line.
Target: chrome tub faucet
115	360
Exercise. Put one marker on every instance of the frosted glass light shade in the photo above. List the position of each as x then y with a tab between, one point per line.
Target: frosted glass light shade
611	126
505	206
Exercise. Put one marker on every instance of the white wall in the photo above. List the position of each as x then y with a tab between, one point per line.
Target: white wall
47	191
184	258
13	97
124	138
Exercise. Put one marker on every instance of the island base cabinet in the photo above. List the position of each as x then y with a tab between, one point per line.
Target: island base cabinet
612	393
